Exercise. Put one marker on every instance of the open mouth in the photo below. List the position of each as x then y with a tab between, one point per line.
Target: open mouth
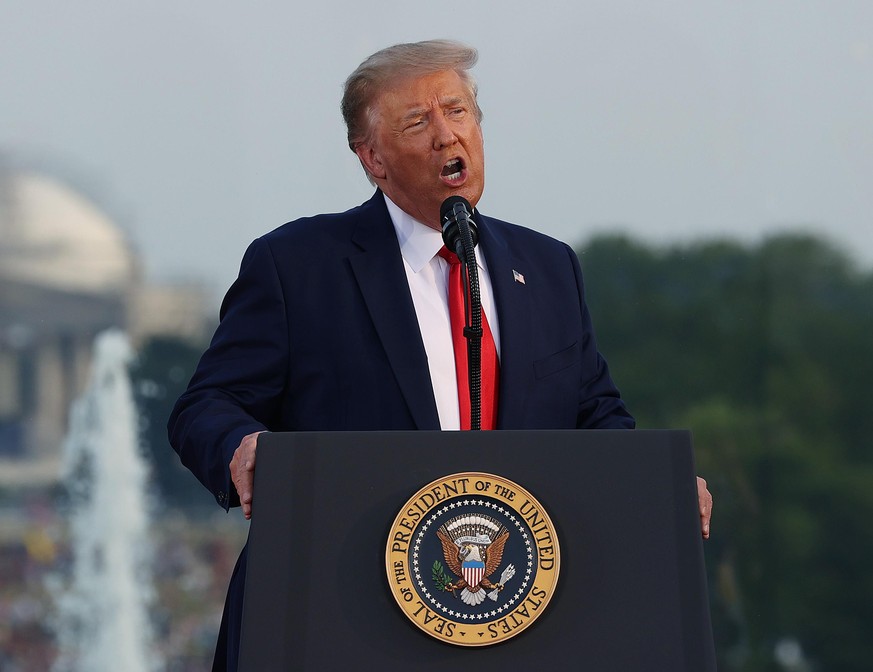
453	169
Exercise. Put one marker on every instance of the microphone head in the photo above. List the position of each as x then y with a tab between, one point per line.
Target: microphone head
448	209
453	210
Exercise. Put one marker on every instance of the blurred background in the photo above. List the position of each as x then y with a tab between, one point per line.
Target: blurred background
711	163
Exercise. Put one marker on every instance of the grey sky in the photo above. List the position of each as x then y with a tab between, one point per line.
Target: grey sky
202	124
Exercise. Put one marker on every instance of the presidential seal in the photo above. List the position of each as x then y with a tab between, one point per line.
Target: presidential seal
472	559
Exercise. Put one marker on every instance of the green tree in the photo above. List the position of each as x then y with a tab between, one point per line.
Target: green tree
764	352
160	375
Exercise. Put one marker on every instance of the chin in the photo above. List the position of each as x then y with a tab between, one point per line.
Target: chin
472	192
472	195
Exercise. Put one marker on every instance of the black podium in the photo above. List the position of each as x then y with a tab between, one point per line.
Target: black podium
632	589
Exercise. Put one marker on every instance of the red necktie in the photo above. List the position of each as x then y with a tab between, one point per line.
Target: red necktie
490	365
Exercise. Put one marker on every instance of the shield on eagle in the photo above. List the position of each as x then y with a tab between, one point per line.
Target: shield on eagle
473	571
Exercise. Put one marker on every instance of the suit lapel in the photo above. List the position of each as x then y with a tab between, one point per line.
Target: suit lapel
512	300
378	269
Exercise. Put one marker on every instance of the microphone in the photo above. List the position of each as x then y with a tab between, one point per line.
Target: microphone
455	212
460	234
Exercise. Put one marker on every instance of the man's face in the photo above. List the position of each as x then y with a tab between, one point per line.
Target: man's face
426	145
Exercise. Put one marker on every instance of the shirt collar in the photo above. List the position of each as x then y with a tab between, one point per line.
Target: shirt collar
419	243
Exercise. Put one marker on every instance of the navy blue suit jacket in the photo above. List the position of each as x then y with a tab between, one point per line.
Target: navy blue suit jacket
319	333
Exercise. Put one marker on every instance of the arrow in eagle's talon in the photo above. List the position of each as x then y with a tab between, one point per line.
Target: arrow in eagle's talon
507	574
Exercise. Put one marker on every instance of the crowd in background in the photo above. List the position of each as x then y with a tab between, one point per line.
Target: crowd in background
193	560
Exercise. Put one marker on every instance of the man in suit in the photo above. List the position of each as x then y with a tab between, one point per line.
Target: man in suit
341	321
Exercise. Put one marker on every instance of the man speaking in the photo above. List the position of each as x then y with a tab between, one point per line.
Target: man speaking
344	321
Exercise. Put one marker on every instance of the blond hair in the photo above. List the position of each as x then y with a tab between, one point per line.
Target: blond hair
364	85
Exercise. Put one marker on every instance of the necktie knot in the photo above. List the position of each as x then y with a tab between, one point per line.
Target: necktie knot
450	257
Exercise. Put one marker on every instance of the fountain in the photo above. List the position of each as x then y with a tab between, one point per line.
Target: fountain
102	608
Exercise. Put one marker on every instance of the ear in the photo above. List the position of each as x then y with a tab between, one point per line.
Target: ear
371	159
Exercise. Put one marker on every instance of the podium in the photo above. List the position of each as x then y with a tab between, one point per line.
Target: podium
631	595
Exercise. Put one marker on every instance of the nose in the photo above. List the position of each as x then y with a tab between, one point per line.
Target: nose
443	135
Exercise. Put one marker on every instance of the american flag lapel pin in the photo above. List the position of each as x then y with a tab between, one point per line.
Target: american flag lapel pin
518	277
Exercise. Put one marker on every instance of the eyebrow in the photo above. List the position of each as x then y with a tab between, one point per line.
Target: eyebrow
414	114
453	101
421	111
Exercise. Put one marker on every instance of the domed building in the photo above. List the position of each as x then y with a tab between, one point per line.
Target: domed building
67	272
53	238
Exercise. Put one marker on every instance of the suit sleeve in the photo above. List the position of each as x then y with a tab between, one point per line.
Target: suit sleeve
600	404
238	384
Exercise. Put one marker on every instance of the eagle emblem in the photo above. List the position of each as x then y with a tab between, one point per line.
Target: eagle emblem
473	549
455	548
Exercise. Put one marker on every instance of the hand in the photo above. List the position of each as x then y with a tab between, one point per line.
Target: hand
242	471
704	501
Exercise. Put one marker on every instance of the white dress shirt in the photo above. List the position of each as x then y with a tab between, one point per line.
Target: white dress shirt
428	276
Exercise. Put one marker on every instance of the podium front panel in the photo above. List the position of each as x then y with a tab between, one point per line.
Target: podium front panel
632	589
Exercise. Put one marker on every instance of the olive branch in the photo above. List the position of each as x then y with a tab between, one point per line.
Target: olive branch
440	578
